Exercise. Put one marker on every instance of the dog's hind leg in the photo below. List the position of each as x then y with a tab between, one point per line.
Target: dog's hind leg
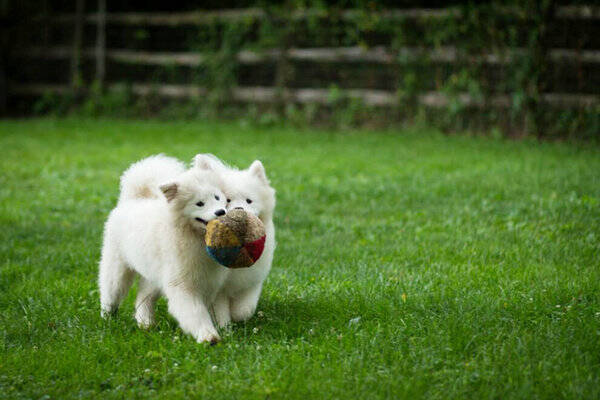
144	303
114	280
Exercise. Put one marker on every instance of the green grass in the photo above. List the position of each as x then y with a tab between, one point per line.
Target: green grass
409	265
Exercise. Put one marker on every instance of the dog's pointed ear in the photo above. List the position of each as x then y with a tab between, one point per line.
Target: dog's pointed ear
204	161
169	190
258	170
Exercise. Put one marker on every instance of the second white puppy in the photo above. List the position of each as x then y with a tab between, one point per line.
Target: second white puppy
157	232
250	190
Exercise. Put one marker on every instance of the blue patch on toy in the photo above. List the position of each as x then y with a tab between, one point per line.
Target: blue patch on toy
224	255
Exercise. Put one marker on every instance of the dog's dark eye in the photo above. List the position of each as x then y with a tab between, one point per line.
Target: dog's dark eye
199	204
216	197
248	201
229	200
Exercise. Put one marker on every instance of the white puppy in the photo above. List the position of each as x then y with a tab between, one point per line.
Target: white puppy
157	232
248	189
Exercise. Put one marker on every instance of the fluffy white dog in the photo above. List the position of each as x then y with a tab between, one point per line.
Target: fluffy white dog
248	189
157	232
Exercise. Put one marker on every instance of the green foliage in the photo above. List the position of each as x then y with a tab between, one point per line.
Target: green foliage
55	104
118	101
114	102
409	265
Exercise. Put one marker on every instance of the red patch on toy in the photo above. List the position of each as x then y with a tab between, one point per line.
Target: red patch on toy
256	248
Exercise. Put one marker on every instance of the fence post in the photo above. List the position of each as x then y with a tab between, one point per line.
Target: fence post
77	42
544	18
101	43
283	66
3	86
4	15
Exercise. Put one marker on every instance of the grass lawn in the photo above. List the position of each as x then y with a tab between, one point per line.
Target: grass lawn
409	265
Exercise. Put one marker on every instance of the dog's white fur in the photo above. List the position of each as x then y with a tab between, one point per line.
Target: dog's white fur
238	297
157	232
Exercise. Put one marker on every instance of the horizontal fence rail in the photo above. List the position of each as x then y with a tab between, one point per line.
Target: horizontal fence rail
323	96
338	54
202	17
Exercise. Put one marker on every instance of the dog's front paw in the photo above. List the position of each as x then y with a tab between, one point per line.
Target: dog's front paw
107	311
144	321
242	312
208	336
223	319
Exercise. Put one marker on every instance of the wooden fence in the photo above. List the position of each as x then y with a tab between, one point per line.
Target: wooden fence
577	86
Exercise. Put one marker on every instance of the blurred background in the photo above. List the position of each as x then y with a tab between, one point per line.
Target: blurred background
502	68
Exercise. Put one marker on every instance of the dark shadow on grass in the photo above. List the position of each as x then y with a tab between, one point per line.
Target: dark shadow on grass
293	317
279	319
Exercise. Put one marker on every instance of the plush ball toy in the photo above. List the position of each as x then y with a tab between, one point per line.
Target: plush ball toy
235	240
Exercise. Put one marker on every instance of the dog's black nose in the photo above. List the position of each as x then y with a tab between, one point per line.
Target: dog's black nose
220	212
239	208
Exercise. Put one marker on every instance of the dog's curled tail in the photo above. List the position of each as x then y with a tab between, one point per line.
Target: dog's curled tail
143	178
